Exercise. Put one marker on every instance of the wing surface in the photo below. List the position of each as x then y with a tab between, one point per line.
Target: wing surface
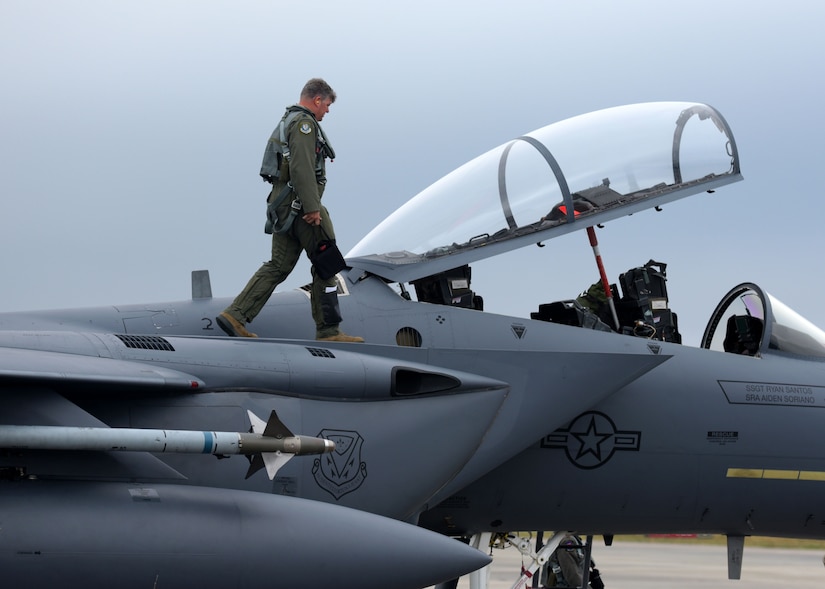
37	366
36	387
26	405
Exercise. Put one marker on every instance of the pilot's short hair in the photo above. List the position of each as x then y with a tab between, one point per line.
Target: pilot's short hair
318	87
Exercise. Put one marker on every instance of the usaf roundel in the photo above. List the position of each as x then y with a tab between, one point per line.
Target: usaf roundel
592	439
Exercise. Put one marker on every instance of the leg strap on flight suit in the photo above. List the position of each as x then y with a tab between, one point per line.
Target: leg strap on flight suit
272	222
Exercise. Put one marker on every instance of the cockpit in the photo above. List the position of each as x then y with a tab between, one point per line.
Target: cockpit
578	174
752	322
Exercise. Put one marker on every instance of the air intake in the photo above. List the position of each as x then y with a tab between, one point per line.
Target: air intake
407	382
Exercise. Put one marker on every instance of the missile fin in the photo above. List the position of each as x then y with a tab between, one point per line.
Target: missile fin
275	428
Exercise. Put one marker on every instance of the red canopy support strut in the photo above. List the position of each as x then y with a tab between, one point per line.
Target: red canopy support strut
591	234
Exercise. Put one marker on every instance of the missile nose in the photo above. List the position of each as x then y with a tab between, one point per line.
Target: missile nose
329	446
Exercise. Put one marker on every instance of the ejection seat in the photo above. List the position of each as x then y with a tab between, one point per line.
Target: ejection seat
743	335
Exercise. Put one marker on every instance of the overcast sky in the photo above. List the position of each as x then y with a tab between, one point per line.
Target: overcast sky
131	136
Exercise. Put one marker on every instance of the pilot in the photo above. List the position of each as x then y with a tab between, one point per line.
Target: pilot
295	164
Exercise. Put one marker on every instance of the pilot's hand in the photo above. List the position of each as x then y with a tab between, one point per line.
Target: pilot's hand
313	218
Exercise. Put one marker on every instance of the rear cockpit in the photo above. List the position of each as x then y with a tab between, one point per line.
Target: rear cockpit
638	306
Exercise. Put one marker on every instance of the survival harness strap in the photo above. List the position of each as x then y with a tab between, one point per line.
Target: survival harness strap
272	163
271	171
277	148
271	226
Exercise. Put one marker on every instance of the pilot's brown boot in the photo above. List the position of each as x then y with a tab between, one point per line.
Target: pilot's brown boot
340	337
232	326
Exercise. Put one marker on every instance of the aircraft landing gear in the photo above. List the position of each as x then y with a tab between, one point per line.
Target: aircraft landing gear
537	559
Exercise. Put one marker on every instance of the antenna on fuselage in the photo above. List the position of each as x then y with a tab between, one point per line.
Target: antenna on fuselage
201	285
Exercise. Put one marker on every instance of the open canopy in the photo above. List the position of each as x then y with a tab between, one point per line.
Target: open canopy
567	176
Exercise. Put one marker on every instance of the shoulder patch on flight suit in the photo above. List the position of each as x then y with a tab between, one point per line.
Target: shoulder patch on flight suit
305	128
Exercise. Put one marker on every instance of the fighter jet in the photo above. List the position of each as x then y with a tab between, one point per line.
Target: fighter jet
589	415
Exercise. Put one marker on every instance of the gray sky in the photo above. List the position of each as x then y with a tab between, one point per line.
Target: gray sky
131	136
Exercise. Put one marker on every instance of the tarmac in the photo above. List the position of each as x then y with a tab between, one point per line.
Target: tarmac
638	565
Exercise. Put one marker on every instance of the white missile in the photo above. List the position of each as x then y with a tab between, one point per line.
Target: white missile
45	437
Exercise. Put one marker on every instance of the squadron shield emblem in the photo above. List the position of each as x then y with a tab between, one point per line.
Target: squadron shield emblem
341	471
305	128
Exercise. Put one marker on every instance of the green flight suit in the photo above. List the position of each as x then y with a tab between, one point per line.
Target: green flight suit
305	171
